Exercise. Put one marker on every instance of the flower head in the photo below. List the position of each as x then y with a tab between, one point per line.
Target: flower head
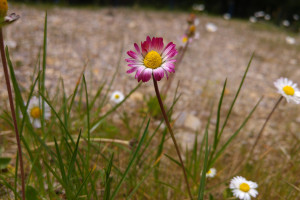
286	23
3	8
243	189
152	59
227	16
288	89
4	18
211	173
35	111
210	27
253	19
290	40
199	7
117	97
267	17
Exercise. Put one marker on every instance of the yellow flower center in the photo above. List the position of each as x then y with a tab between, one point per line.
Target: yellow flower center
244	187
184	39
3	8
209	172
152	60
117	96
288	90
35	112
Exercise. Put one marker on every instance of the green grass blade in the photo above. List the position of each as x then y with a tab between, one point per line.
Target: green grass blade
204	170
99	121
140	183
71	166
88	124
59	119
219	115
62	168
235	134
108	179
131	162
236	96
83	184
44	70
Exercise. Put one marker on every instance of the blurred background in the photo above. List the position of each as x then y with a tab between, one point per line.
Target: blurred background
274	11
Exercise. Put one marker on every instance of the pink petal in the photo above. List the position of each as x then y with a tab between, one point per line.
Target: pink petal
169	49
158	74
169	67
140	76
131	61
132	54
146	76
145	47
157	44
137	48
138	72
131	70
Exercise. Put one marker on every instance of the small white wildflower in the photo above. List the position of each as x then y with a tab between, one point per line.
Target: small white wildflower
210	27
211	173
243	189
259	14
286	23
227	16
267	17
199	7
252	19
288	89
35	111
117	97
290	40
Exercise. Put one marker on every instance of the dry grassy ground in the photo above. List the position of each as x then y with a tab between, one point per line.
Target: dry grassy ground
97	39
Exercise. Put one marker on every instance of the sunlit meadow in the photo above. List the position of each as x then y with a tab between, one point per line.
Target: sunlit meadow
135	103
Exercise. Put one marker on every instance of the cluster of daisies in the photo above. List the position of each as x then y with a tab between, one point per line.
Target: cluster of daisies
192	33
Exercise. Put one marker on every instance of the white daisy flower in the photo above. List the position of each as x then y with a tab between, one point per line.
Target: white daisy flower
210	27
290	40
199	7
252	19
296	17
286	23
34	111
227	16
288	89
117	97
243	189
211	173
267	17
259	14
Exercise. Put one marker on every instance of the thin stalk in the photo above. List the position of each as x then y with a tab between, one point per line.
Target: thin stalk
172	134
264	125
12	109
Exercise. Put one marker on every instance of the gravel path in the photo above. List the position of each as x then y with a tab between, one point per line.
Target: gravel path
77	37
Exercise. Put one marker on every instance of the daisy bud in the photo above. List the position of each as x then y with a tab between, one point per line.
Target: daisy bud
3	8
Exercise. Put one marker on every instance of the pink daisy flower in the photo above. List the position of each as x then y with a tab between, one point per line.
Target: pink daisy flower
152	59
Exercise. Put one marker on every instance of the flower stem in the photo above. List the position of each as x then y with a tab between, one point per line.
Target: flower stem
172	134
13	113
264	125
